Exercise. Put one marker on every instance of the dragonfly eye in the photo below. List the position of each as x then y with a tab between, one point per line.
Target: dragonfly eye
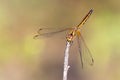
71	34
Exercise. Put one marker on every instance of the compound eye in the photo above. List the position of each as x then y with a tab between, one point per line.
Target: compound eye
71	34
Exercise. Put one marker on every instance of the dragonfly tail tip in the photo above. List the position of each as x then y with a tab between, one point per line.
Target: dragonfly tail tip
91	10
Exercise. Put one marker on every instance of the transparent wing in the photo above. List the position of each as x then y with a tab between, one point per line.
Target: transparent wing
85	54
48	32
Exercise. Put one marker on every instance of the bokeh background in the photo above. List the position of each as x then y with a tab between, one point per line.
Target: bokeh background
24	58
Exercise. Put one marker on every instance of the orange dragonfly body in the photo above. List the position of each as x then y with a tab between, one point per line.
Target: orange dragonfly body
74	32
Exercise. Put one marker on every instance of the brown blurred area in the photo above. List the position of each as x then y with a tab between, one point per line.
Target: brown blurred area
24	58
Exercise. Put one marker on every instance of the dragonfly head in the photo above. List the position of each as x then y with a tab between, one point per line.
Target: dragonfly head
70	37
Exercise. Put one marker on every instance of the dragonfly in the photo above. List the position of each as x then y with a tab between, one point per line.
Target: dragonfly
74	32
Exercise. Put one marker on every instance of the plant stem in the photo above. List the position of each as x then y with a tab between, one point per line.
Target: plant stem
66	57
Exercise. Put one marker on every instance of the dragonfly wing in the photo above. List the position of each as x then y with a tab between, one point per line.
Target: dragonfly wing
48	32
85	54
80	52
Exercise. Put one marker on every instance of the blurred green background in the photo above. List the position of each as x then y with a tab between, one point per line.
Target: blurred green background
24	58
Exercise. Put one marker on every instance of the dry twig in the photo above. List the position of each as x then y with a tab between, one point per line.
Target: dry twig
66	61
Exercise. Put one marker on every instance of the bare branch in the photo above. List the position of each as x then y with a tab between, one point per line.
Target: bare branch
66	61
